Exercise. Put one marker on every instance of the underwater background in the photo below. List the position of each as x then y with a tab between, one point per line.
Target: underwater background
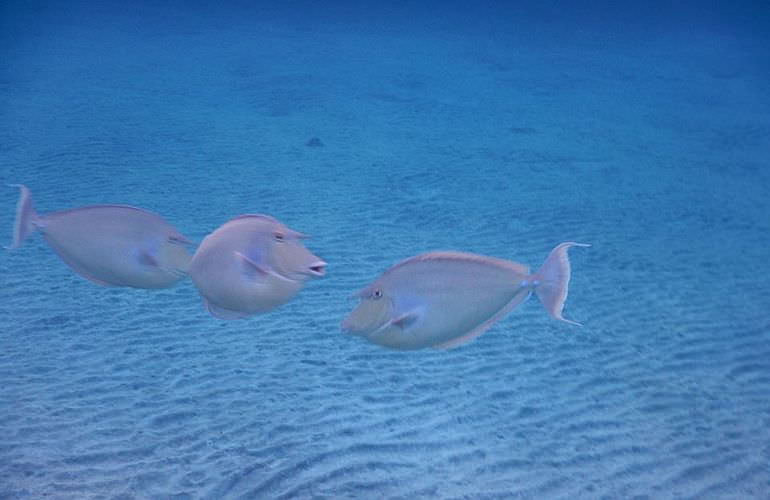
385	130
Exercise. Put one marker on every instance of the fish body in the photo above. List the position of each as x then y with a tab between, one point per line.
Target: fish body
444	299
110	245
252	264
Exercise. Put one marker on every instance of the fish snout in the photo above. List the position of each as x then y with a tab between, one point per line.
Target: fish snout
317	269
347	327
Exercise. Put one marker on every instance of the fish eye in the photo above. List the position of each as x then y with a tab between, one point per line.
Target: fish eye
279	237
377	294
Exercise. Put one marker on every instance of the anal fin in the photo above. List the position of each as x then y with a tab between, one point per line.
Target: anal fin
517	299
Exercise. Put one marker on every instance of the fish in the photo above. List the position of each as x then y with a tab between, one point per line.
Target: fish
250	265
110	245
444	299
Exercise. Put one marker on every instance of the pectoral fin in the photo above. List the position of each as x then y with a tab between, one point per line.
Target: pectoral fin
147	259
251	268
405	320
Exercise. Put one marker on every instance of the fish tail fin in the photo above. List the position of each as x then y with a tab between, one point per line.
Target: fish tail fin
551	281
26	217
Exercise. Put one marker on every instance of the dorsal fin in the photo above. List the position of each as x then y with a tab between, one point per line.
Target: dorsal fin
455	256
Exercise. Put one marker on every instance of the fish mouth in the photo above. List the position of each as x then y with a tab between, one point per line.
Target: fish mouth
369	318
317	270
349	329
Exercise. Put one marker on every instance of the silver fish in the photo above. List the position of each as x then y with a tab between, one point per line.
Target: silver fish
252	264
444	299
110	245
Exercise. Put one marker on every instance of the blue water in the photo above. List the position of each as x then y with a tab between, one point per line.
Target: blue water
642	129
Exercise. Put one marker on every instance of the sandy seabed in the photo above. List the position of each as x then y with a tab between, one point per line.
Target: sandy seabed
654	153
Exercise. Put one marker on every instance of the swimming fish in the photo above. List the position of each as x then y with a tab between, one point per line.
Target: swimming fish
444	299
110	245
252	264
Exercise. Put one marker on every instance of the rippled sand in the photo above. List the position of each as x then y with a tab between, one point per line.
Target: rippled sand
654	154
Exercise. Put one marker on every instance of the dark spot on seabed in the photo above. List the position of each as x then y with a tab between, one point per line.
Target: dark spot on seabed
315	142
